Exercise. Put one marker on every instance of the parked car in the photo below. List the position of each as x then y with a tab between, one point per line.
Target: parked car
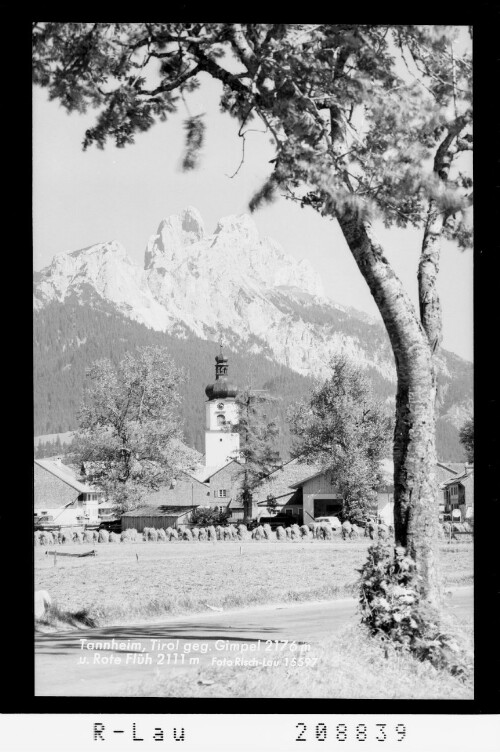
333	521
112	526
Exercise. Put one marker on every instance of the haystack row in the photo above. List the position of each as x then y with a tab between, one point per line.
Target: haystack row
313	531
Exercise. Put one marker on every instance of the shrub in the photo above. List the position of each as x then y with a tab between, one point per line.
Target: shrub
391	607
209	516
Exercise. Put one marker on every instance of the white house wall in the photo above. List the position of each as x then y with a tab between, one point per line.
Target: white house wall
385	507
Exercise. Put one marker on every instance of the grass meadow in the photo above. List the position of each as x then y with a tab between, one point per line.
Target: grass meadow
140	581
350	665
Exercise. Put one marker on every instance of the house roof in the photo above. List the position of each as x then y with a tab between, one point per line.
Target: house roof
65	474
183	491
281	484
464	476
301	482
203	473
165	510
454	467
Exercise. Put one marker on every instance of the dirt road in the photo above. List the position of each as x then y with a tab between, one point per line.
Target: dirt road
104	661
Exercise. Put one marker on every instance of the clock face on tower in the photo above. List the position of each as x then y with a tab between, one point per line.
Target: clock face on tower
220	406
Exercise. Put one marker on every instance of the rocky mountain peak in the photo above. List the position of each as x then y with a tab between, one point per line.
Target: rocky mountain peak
240	225
174	234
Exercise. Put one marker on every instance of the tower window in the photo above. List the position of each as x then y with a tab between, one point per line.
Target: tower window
221	421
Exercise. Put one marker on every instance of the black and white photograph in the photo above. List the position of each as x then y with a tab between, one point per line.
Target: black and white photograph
253	362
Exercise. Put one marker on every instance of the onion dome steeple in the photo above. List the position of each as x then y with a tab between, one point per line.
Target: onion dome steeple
221	388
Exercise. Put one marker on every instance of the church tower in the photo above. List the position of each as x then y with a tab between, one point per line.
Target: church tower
221	445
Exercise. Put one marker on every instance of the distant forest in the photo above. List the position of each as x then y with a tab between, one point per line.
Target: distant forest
69	337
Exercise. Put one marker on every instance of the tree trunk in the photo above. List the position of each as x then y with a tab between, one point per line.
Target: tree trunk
429	303
428	268
415	490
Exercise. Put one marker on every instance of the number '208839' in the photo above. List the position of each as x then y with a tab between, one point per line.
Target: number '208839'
341	732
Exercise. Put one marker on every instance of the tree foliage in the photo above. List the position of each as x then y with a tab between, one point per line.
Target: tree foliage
129	426
209	516
345	429
466	435
357	113
258	436
391	609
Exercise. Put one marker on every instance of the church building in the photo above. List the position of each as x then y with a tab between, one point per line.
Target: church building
221	444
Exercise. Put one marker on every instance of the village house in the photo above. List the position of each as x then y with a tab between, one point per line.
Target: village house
224	484
61	498
305	492
277	494
170	506
458	493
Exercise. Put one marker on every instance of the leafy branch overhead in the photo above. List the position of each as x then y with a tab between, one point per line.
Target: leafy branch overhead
356	112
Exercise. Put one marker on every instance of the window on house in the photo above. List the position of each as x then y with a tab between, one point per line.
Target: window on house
220	493
221	509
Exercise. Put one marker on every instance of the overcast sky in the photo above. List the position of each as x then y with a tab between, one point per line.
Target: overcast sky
81	198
